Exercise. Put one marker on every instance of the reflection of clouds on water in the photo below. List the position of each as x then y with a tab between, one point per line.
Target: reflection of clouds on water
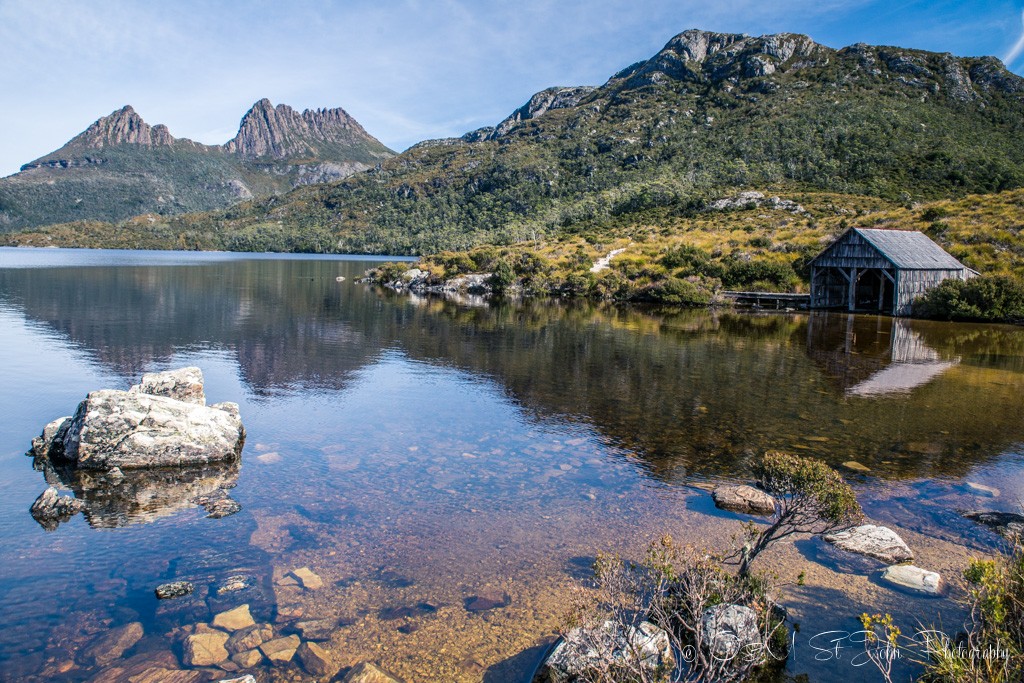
899	377
869	356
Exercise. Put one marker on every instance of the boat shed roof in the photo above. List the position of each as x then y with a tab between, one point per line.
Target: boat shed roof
907	249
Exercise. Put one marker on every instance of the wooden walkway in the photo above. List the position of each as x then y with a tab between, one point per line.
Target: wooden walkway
775	300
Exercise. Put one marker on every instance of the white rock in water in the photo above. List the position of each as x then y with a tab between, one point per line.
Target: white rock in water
983	490
131	430
915	578
184	384
879	542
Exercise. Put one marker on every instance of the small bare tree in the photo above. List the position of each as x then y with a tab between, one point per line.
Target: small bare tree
810	498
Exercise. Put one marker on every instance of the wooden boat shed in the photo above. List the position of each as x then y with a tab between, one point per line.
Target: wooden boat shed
880	271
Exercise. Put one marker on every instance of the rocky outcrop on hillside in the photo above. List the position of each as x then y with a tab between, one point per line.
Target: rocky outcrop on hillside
281	132
540	104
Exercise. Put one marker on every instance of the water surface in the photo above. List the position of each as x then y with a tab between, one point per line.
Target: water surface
416	453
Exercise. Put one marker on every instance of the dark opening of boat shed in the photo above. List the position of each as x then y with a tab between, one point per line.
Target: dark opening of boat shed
880	271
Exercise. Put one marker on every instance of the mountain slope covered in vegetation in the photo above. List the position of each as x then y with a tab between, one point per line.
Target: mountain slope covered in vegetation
120	166
709	115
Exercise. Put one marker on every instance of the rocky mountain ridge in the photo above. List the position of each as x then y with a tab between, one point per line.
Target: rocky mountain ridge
120	166
708	116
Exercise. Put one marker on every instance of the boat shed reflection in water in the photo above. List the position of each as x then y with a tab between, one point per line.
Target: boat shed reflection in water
872	355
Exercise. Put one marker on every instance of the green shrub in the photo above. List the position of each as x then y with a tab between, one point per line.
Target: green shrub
678	292
995	298
996	590
503	276
763	275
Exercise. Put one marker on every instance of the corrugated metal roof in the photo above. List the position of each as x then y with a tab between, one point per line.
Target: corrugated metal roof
910	249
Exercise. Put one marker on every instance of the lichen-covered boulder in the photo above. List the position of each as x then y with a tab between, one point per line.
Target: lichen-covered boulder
51	508
184	384
728	631
53	433
582	652
131	430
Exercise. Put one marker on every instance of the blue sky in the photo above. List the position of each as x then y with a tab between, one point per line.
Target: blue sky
408	70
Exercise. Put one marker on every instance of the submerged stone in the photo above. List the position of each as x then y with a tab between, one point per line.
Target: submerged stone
235	619
281	650
745	499
175	589
206	648
316	629
1008	524
487	600
248	658
113	644
249	638
317	660
983	490
308	578
236	583
367	672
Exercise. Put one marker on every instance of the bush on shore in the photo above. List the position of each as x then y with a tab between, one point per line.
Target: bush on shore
996	298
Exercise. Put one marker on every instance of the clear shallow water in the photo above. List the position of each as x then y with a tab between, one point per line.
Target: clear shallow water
418	452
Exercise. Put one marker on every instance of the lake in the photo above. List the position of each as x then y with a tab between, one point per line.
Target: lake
419	453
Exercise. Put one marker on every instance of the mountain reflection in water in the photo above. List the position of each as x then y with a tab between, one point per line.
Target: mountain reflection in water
692	393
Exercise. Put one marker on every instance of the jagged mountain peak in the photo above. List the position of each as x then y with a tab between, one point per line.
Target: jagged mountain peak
282	132
122	126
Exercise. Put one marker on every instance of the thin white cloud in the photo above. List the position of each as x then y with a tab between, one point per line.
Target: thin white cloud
1015	51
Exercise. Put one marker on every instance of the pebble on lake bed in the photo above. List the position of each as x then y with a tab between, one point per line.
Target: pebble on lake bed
367	672
175	589
309	579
